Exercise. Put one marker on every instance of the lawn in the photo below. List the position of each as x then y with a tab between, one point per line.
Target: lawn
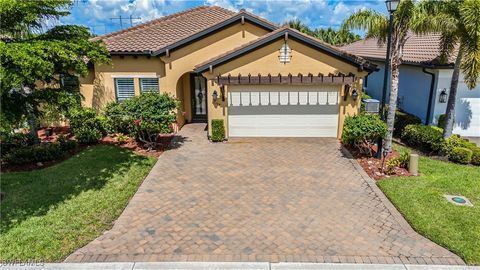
49	213
420	200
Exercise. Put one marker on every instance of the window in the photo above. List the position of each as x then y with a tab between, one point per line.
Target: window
149	85
124	88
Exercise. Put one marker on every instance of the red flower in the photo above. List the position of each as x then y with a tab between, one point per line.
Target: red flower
137	122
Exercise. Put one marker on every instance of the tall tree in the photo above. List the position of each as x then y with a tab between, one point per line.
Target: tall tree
33	64
459	25
328	35
376	25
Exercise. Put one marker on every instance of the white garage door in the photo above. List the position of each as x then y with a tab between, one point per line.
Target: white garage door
283	111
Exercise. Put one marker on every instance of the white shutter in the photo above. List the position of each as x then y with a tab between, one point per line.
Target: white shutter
124	88
149	85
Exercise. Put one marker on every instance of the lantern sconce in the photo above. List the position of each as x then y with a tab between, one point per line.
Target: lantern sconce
354	94
215	96
443	96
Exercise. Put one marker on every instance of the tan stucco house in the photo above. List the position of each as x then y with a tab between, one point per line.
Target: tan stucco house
263	80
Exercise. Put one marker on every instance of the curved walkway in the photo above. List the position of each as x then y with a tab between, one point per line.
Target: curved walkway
274	200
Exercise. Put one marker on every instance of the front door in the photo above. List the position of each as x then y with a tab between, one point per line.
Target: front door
199	98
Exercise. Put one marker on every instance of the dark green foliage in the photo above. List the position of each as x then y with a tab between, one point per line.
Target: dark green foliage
362	131
218	130
441	121
403	119
66	144
35	153
87	126
427	137
328	35
12	141
476	156
461	155
86	135
144	116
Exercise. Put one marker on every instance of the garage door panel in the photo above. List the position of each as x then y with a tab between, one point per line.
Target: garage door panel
283	111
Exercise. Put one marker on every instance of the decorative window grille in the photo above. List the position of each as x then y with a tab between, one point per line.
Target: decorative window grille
285	54
149	85
124	88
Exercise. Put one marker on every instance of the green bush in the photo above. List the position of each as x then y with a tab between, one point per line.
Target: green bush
144	116
427	137
66	144
403	119
461	155
397	162
87	135
218	130
35	153
362	131
455	141
12	141
476	156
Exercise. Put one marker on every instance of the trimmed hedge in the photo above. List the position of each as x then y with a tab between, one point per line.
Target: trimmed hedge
39	152
362	131
461	155
12	141
476	156
218	130
403	119
455	141
427	137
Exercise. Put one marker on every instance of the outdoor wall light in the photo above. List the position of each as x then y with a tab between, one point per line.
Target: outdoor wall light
392	5
443	96
215	95
354	94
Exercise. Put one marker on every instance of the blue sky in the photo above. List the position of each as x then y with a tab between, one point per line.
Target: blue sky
97	14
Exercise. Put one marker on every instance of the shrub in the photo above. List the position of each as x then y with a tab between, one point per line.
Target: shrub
403	119
461	155
35	153
87	135
427	137
397	162
144	116
66	144
218	130
12	141
87	126
476	156
455	141
362	131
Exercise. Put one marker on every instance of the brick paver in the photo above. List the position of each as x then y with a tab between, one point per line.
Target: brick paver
293	200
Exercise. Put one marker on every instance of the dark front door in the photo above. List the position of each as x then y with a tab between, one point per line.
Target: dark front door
199	98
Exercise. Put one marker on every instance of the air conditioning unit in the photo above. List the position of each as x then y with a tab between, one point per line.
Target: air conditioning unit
371	105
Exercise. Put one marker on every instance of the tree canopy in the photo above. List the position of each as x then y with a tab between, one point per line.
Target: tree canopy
34	64
328	35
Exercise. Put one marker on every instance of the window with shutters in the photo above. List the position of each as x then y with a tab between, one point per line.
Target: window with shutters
124	88
149	85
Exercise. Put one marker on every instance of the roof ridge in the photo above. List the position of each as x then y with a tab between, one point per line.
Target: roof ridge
158	20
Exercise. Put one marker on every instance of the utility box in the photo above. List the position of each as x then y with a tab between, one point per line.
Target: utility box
371	105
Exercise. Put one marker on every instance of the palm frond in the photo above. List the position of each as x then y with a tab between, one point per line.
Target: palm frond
470	40
375	23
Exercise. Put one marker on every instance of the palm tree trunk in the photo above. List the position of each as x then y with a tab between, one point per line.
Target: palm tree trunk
392	104
450	112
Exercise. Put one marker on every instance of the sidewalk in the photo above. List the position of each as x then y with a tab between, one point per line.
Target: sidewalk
235	266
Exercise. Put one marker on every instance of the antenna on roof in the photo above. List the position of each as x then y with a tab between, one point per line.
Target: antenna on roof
130	18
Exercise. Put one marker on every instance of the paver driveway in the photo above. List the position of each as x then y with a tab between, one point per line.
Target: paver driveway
260	200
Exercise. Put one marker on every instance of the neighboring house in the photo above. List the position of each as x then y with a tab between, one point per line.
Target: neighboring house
422	80
261	79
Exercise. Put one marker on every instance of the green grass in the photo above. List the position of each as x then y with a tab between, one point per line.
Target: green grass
420	200
49	213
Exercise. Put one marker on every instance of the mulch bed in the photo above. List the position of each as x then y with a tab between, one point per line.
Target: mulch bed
373	166
130	144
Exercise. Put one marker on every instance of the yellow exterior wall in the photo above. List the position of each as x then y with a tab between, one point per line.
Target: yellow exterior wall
265	61
98	87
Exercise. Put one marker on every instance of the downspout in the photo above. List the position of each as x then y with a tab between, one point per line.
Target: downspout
430	96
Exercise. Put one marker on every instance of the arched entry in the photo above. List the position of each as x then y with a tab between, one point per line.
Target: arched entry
198	94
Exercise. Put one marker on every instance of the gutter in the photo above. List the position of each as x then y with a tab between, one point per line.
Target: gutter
430	96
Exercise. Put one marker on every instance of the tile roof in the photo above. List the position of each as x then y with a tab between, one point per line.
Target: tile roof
159	33
280	31
418	49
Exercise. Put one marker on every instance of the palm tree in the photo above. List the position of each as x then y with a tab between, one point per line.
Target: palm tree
376	25
459	25
328	35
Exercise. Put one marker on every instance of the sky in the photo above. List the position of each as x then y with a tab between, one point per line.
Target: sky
102	16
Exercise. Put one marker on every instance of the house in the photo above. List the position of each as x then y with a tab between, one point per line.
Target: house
263	80
424	82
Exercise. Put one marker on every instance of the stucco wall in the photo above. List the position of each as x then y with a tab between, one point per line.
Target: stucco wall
265	60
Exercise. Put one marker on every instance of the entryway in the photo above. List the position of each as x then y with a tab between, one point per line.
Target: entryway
198	85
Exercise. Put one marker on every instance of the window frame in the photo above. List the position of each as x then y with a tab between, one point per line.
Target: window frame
140	79
115	81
